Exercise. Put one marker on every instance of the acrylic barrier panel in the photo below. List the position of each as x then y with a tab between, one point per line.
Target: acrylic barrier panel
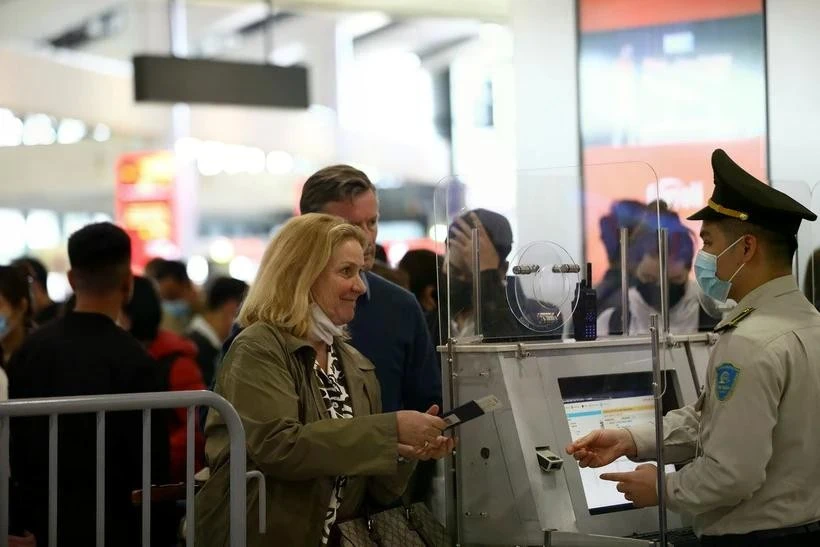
801	192
516	248
809	250
688	309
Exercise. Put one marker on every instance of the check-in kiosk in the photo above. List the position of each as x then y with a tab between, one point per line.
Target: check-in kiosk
518	327
513	480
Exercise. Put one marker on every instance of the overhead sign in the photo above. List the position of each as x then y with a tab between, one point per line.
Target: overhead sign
175	80
144	205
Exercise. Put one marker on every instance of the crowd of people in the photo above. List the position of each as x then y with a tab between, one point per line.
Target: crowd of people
331	367
318	336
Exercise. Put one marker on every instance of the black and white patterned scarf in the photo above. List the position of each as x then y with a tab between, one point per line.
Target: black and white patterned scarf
337	401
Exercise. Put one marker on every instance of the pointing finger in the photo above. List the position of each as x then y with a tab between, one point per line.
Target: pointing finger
616	477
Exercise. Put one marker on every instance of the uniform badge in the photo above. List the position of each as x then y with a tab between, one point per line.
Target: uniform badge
725	380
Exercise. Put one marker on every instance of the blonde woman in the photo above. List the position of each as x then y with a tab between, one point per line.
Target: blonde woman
310	403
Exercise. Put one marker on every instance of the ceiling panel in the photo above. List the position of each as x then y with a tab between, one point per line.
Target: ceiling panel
488	10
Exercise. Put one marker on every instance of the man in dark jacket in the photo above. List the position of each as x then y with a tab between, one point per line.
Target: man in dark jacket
86	353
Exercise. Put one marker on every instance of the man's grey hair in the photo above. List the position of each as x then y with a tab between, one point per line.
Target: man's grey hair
334	183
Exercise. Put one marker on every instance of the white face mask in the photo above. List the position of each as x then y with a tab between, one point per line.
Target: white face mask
322	327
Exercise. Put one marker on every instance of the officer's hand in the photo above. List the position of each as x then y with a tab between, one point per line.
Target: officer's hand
639	486
602	447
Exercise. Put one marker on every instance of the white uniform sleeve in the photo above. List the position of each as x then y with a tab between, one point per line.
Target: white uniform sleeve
680	435
737	436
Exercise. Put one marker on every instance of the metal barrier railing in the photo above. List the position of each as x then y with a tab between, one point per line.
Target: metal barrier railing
100	404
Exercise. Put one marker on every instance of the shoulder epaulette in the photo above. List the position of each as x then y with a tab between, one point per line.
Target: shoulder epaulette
735	320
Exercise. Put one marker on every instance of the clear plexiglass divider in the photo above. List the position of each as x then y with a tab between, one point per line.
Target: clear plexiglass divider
808	238
807	263
541	257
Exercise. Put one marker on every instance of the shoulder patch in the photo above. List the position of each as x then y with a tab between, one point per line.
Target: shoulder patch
732	323
726	377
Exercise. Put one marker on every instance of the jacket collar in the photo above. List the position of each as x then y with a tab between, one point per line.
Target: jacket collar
759	296
293	344
352	365
366	281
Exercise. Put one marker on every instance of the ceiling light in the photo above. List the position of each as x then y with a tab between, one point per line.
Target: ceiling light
101	132
70	131
38	129
198	269
279	162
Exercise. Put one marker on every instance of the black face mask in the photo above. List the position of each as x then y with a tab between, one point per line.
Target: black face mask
651	293
461	295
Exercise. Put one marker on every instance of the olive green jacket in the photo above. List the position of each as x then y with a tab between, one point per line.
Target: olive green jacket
268	377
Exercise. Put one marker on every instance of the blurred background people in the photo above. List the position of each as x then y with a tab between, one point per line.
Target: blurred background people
495	245
309	401
176	368
180	299
686	314
43	307
623	214
421	265
209	329
15	311
382	268
87	353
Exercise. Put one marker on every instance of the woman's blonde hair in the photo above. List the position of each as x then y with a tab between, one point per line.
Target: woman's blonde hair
293	261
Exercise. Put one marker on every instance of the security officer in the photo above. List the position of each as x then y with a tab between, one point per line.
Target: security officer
752	439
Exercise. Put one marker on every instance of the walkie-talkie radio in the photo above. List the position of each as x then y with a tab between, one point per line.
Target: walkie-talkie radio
585	314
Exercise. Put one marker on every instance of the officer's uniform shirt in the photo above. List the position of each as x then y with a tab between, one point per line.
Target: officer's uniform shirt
753	433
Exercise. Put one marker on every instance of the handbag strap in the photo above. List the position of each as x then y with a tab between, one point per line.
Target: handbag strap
415	524
372	532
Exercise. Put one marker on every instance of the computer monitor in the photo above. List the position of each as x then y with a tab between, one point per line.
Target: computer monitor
611	401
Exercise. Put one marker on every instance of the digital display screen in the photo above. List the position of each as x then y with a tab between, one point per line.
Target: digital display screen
610	402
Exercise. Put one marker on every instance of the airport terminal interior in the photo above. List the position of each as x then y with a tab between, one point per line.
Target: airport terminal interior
537	186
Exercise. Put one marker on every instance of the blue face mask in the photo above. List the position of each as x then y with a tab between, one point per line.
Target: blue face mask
5	325
178	309
706	274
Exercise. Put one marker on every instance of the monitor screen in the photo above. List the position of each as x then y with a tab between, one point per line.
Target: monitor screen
610	401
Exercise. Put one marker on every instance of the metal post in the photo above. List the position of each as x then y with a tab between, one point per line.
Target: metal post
238	497
53	437
624	281
268	34
261	495
657	391
189	478
451	472
477	281
146	478
664	267
101	479
177	28
5	423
